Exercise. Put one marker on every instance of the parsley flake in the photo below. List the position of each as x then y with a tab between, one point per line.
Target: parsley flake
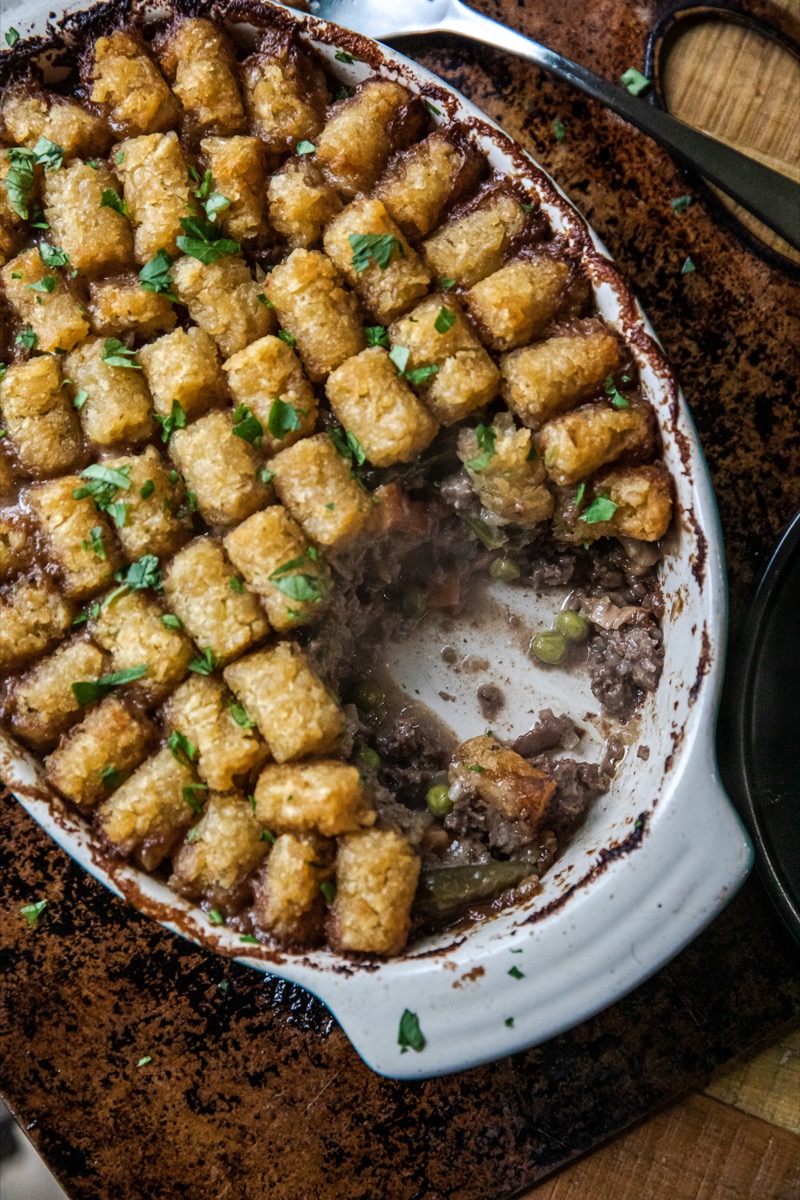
170	621
375	247
175	420
559	131
182	749
602	508
248	937
288	338
247	426
12	36
111	199
46	284
189	797
447	284
215	917
111	778
509	1021
409	1034
616	398
515	973
328	890
199	240
117	354
48	154
400	356
636	83
32	912
348	445
344	57
148	1058
19	180
283	418
305	148
486	438
237	585
240	716
297	584
431	107
155	276
87	691
147	489
581	492
445	319
688	267
27	338
377	335
53	256
95	542
205	664
679	204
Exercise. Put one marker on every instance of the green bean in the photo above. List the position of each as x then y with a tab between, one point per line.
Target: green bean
572	625
438	800
445	888
367	695
504	569
549	647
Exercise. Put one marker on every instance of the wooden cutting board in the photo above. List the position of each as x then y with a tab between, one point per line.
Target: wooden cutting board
252	1089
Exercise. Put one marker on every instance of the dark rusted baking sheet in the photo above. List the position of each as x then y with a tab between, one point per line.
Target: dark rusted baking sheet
253	1090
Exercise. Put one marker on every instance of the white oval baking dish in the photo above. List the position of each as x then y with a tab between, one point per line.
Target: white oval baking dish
657	857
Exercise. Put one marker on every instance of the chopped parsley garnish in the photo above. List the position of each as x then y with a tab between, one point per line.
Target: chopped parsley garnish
559	132
509	1021
215	917
48	154
147	1058
248	937
328	890
602	508
82	618
46	284
28	339
347	444
526	207
636	83
266	834
53	256
297	584
283	418
266	476
581	492
486	437
688	267
237	585
182	749
240	716
445	319
377	335
343	93
102	484
205	664
144	573
615	397
447	284
86	691
247	426
95	542
155	276
200	240
147	489
431	107
119	157
305	148
212	202
175	420
288	338
111	199
117	354
12	36
170	621
189	796
111	778
32	912
679	204
400	356
19	180
344	57
410	1036
375	247
515	973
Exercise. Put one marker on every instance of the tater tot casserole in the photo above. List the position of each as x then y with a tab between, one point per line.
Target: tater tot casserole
287	366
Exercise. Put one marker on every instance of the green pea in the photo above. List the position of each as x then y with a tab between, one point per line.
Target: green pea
574	627
438	800
367	695
368	757
415	602
504	569
549	647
